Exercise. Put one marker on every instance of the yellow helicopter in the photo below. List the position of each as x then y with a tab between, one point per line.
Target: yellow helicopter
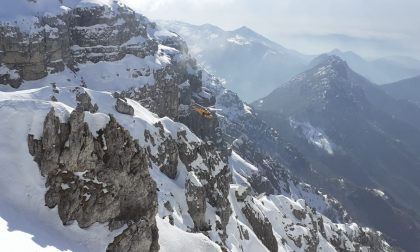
202	110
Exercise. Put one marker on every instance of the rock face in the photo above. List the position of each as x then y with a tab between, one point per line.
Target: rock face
196	200
208	177
72	38
123	107
161	98
261	226
167	154
98	179
140	236
211	182
85	101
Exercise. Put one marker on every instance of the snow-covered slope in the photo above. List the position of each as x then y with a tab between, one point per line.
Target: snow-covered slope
23	186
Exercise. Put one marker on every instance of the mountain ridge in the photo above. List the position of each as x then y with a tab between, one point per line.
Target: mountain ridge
230	54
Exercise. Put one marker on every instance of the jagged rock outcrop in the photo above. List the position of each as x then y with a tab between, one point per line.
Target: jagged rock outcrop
207	127
85	101
208	175
167	154
123	107
215	178
137	237
180	95
101	178
261	226
161	98
196	200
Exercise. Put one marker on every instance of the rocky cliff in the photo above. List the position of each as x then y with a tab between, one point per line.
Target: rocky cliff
98	179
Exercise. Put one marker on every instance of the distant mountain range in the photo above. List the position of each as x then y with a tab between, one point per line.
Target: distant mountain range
362	144
251	64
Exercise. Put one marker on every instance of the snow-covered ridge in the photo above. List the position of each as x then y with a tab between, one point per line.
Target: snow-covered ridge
35	104
32	106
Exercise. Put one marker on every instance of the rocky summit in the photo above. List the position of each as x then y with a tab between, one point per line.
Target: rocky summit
114	139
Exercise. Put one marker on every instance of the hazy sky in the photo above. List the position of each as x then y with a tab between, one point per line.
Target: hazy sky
369	27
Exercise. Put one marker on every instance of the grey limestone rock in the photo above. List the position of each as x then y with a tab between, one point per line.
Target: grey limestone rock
261	226
98	179
123	107
78	36
196	201
86	102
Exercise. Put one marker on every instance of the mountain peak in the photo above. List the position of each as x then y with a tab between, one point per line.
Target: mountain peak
327	84
336	51
210	27
328	70
328	60
246	31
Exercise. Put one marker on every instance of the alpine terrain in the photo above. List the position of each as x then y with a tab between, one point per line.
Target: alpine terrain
113	139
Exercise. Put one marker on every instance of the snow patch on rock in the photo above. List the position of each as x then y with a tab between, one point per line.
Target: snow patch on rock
314	135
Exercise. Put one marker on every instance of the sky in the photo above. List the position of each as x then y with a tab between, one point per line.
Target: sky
372	28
